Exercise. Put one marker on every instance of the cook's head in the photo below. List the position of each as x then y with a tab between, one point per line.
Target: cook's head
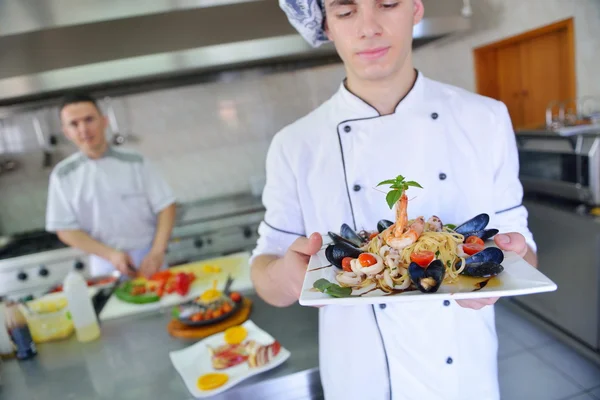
83	123
372	37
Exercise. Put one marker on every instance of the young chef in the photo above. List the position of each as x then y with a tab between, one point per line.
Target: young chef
105	201
387	119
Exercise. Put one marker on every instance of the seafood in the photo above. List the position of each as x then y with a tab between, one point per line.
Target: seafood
383	225
412	254
485	264
349	234
434	224
476	227
335	253
399	241
427	279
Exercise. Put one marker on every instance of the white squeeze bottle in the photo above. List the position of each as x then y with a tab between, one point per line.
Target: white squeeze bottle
81	308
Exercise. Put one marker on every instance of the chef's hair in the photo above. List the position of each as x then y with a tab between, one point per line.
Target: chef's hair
77	97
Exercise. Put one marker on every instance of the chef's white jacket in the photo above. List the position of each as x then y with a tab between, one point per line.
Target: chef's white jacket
115	199
322	171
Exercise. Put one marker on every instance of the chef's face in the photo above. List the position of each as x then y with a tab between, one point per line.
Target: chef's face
85	126
373	37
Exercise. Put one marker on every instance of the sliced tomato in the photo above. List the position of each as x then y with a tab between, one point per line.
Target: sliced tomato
373	235
422	258
366	259
474	239
472	248
346	264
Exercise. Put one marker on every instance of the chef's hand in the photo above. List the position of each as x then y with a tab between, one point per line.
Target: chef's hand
152	263
121	261
295	261
507	241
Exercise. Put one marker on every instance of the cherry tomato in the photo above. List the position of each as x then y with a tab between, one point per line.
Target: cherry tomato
373	235
217	313
235	296
472	248
366	259
346	264
423	258
474	239
226	308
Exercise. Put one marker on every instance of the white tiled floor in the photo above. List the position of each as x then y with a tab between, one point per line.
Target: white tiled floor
534	365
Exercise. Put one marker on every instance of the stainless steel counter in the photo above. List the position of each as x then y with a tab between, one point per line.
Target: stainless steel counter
131	361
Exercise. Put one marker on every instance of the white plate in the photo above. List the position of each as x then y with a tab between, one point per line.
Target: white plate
518	278
195	361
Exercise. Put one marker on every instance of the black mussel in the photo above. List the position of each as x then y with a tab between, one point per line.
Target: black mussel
484	234
383	225
483	269
427	280
476	223
484	264
489	254
348	233
338	239
335	253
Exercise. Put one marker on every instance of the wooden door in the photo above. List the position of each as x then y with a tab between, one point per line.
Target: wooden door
529	71
510	82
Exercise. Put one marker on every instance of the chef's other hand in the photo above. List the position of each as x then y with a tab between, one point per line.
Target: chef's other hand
152	263
295	261
121	261
507	241
512	242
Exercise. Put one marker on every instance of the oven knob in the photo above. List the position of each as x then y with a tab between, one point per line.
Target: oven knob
247	232
79	266
198	243
44	271
22	276
209	241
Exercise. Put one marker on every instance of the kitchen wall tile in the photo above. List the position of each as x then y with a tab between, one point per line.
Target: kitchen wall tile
207	140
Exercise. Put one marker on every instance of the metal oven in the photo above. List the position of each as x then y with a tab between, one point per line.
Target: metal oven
563	166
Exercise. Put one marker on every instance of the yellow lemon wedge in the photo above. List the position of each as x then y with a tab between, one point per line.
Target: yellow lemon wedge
235	334
212	381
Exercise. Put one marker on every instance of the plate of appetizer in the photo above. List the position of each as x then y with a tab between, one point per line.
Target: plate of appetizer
416	260
221	361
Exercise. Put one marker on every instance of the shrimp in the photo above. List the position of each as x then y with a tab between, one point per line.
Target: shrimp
434	224
409	237
397	236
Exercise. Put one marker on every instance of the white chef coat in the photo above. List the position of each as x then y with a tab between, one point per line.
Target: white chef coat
115	199
322	171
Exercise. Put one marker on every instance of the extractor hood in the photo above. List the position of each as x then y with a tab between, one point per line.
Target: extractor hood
47	47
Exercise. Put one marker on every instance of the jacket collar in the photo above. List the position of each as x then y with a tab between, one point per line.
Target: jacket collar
351	107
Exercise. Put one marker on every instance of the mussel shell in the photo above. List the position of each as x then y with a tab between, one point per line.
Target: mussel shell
348	233
483	269
484	234
490	254
435	270
477	223
383	225
338	239
335	253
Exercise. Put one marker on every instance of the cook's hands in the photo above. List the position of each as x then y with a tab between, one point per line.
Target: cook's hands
512	242
509	242
295	261
121	261
152	263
